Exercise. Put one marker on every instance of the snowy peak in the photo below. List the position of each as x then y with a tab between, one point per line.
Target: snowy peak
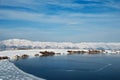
26	44
16	42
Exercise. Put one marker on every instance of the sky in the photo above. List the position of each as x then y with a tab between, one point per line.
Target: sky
60	20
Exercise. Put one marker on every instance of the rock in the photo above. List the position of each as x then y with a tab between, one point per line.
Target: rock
36	55
4	57
76	52
94	51
24	56
47	53
16	57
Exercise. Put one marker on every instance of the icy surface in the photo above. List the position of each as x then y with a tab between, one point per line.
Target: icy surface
8	71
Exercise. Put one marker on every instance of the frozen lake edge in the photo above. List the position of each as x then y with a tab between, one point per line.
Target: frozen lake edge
8	71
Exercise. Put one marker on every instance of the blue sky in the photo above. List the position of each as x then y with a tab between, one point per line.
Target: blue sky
60	20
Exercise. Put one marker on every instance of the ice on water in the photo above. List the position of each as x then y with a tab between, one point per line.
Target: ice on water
8	71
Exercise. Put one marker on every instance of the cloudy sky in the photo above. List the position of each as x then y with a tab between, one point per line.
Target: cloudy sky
60	20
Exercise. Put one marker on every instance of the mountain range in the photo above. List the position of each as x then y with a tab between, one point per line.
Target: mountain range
12	44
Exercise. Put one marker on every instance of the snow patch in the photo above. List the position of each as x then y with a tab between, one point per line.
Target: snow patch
8	71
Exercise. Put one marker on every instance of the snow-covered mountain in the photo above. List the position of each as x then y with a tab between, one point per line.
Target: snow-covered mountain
26	44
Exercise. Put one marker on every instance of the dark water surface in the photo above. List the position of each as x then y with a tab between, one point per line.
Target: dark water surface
73	67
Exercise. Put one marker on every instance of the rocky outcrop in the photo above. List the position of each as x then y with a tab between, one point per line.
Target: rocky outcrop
47	53
36	55
16	57
94	51
3	57
24	56
89	52
76	52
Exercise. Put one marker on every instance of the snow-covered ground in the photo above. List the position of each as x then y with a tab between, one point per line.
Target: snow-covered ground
8	71
26	44
10	48
12	53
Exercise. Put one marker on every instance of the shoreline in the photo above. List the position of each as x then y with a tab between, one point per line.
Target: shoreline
9	71
12	54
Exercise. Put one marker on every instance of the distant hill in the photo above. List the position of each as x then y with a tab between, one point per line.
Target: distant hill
26	44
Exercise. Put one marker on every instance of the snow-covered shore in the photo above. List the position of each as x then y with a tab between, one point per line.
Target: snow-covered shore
8	71
31	53
12	53
19	47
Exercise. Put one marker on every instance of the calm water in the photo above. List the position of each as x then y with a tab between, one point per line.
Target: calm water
73	67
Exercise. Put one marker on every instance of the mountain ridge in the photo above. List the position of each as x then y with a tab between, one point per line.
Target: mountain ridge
27	44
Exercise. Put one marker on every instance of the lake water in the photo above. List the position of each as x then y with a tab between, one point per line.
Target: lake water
73	67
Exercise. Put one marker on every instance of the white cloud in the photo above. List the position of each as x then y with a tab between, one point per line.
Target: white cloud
41	4
70	19
63	18
113	4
